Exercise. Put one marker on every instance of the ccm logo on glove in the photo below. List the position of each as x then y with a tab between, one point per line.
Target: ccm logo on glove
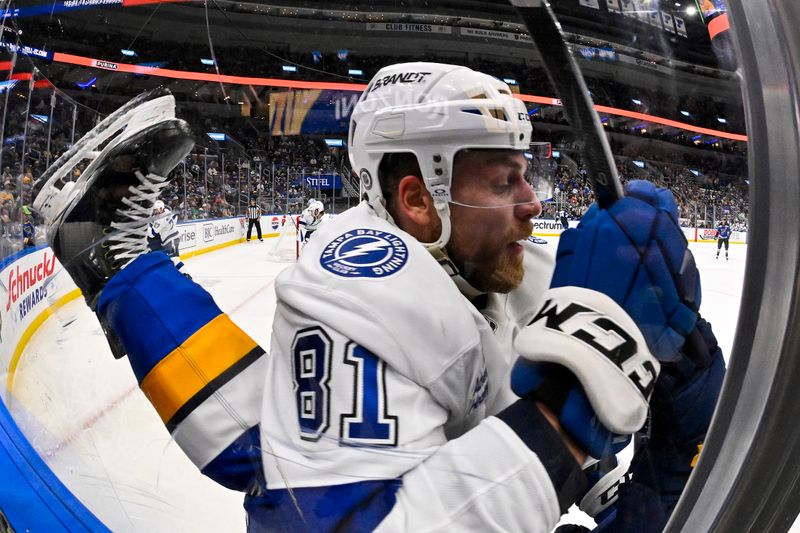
601	333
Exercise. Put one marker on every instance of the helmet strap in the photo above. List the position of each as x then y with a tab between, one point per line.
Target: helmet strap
441	256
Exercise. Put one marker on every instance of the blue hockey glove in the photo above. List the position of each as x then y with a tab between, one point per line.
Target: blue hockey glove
636	253
682	405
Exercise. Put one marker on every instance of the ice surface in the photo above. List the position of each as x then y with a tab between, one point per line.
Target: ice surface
85	416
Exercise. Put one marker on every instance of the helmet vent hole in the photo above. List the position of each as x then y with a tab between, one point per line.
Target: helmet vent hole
498	113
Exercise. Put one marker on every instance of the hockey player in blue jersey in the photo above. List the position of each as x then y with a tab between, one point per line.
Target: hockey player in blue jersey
393	398
723	237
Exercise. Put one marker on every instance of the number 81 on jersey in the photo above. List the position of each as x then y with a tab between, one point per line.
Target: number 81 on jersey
367	422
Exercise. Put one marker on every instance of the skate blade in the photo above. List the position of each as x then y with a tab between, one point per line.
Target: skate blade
131	118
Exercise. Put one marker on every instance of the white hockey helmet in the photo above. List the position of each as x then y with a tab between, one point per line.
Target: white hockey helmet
158	206
433	111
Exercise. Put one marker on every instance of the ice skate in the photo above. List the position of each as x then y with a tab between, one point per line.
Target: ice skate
98	224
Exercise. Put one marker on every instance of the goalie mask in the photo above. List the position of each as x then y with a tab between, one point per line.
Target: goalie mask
433	111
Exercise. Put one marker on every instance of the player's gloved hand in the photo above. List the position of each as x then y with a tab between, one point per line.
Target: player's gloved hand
585	359
636	253
683	402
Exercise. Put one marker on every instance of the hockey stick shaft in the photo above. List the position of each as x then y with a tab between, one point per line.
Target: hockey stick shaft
571	89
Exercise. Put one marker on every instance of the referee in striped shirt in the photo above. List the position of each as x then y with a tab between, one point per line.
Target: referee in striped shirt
253	219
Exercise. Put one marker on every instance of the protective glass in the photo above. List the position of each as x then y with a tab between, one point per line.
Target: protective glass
504	185
269	88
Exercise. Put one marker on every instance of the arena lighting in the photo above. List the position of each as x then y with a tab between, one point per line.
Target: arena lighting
635	101
691	10
336	143
685	113
9	84
510	81
639	164
83	85
355	72
208	62
556	153
89	62
289	68
695	172
41	118
527	155
697	137
722	120
217	136
129	53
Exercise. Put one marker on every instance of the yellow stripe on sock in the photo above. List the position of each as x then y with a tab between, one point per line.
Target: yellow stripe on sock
205	355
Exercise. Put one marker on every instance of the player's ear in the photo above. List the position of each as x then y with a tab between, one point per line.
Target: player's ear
414	203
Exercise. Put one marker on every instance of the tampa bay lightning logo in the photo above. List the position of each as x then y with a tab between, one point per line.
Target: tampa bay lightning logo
364	253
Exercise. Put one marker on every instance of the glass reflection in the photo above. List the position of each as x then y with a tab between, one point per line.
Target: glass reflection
269	91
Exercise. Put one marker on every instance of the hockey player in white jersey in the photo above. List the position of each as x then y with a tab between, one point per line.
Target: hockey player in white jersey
398	329
395	399
312	218
162	233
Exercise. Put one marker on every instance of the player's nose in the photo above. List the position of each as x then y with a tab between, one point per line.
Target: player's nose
528	206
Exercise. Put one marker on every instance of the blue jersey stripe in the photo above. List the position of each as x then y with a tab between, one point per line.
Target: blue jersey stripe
341	508
239	466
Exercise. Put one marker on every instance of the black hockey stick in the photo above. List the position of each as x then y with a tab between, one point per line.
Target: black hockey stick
571	89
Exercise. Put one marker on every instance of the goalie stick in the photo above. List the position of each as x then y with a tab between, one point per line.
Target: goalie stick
568	83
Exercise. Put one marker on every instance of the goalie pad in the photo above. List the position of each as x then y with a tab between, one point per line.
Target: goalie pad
594	338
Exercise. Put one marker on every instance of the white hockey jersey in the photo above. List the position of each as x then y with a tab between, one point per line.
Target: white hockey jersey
310	222
383	379
164	227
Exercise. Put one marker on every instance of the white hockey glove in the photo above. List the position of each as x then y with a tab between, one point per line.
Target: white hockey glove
584	357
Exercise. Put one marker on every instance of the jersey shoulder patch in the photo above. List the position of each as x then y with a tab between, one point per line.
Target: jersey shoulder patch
364	253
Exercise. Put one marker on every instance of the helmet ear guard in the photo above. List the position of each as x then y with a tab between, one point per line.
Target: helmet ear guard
432	111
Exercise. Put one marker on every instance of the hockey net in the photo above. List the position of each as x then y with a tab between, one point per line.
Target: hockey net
286	247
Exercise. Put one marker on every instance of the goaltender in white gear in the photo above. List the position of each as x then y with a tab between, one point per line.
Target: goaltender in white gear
390	406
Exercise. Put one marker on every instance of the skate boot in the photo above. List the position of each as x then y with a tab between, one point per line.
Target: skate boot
99	224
